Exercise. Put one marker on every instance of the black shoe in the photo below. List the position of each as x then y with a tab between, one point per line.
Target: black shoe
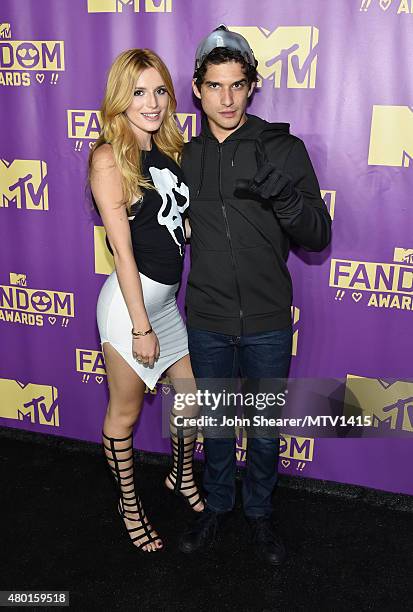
267	544
202	532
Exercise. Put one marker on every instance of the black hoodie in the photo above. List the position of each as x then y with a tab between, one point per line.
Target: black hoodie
239	282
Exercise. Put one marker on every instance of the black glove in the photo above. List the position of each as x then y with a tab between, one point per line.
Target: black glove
269	184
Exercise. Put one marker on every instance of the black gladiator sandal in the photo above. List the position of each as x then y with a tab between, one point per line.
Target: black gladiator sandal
120	460
183	442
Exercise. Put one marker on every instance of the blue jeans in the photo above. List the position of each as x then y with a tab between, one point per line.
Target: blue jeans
259	356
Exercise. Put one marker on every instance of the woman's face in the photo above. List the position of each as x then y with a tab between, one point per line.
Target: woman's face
150	101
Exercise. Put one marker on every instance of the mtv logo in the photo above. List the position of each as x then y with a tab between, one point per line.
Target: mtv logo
104	263
18	279
295	314
390	404
5	30
391	136
23	184
186	123
117	6
403	255
288	55
29	402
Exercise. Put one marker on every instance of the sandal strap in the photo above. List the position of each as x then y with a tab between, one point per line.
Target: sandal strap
181	477
126	486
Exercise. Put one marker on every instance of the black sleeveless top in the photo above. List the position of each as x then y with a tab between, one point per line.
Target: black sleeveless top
157	223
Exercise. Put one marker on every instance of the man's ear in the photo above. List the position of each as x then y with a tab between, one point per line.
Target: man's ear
195	89
252	86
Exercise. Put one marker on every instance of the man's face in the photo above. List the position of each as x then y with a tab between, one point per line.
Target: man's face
224	95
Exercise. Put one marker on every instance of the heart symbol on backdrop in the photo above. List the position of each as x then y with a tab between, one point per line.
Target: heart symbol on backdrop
99	379
385	4
91	143
40	78
285	462
356	296
166	389
52	320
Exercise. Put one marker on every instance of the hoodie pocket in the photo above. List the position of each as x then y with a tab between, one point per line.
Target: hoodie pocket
264	280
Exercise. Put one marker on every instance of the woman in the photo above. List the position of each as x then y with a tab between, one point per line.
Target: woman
138	188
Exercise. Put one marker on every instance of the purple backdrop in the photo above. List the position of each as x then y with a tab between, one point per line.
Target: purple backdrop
339	73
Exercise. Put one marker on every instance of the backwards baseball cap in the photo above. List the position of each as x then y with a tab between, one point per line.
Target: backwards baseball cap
222	37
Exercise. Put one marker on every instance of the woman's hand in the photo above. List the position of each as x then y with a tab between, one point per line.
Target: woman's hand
146	349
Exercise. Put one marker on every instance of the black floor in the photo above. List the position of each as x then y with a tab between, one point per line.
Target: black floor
349	548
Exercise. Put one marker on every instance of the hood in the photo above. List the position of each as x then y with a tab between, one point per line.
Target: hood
252	129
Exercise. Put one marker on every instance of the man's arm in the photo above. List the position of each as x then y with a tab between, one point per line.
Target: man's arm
294	194
299	207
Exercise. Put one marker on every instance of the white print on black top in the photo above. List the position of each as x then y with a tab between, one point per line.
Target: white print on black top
175	199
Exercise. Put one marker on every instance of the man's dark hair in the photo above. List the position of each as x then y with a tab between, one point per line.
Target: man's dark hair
222	55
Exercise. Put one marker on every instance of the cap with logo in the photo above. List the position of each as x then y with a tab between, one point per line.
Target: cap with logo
222	37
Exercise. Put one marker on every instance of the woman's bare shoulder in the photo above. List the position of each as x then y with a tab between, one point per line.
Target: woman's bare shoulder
103	157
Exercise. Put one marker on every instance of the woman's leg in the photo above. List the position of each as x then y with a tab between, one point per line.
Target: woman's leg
183	438
126	393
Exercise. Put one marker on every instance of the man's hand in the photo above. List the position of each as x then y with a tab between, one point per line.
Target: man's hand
268	183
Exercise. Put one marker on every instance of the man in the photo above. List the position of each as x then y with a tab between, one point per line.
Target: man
252	190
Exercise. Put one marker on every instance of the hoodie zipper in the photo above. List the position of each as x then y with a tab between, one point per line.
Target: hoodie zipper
224	212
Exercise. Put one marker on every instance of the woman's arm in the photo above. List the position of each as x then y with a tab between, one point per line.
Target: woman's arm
106	186
187	229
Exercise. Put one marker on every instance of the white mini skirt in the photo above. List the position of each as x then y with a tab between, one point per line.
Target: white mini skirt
115	324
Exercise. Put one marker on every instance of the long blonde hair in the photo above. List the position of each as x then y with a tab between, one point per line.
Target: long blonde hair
116	129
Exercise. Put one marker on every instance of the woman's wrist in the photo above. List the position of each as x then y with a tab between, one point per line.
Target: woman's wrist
138	333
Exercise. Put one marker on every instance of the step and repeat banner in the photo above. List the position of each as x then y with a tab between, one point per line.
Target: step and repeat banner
340	73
